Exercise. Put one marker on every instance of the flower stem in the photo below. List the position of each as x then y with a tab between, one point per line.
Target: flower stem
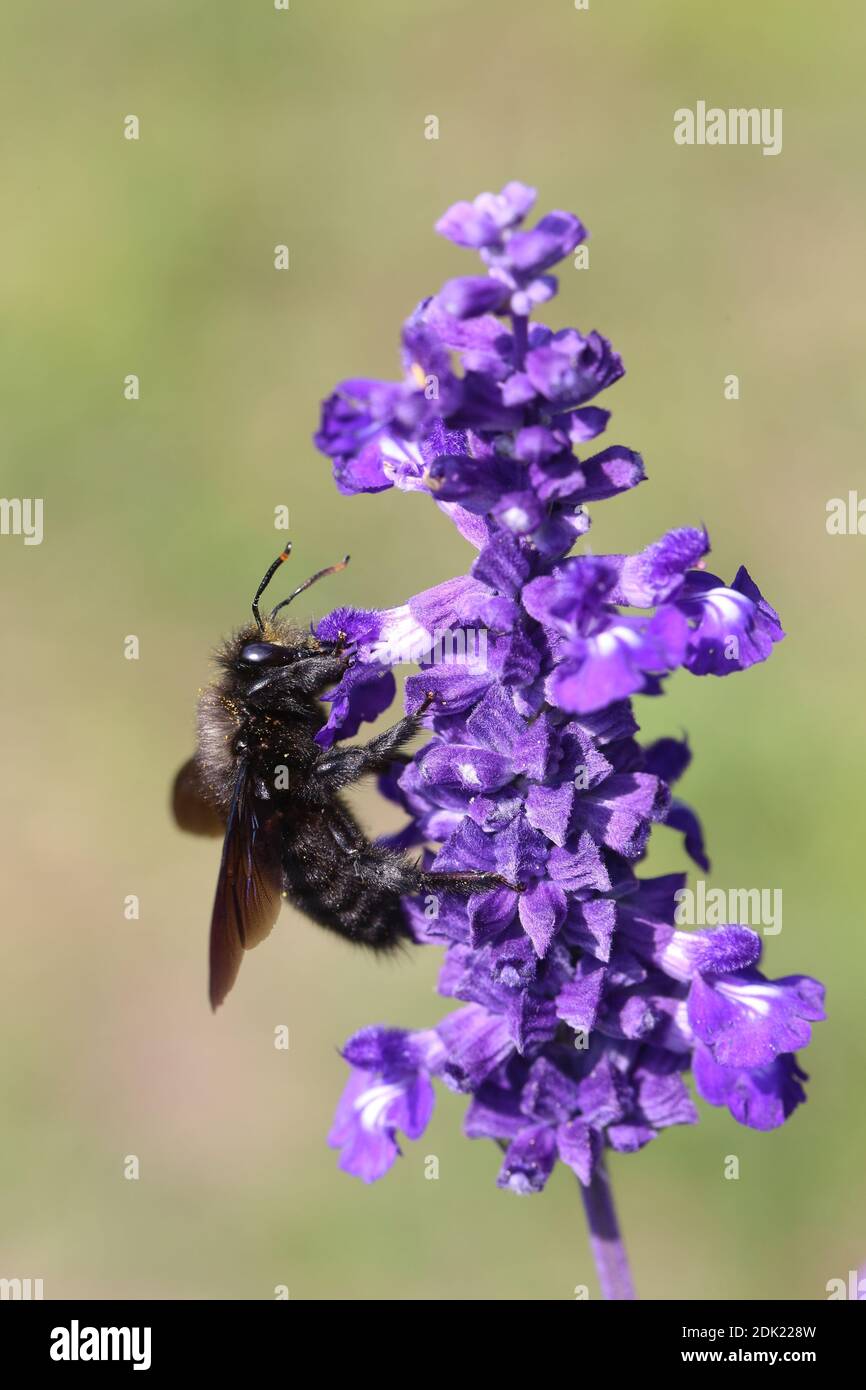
608	1251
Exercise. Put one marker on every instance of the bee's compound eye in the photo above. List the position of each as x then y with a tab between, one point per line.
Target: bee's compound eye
263	654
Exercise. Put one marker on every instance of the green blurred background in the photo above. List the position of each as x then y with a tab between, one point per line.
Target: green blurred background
156	258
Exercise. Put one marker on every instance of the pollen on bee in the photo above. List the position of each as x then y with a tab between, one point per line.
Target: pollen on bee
418	373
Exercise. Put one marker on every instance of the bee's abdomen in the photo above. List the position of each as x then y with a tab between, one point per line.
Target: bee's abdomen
322	857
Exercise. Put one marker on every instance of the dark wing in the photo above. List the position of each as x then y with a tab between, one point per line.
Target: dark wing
189	802
248	892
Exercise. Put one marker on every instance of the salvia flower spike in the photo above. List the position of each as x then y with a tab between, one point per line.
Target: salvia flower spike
582	1003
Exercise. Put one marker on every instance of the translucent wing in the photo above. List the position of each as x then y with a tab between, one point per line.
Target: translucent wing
248	892
189	802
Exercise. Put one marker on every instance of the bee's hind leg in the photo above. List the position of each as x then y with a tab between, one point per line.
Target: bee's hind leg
400	876
461	882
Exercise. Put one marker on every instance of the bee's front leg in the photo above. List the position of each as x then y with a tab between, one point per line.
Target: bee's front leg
341	766
310	675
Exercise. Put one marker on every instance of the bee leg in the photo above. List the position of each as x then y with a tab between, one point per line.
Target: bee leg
275	689
462	882
349	842
388	876
398	875
311	674
269	692
340	767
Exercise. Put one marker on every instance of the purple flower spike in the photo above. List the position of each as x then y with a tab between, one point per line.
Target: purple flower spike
582	1004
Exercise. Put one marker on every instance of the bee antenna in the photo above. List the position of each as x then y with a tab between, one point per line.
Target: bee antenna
320	574
281	559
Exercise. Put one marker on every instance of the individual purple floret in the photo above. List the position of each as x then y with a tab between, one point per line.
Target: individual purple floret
582	1006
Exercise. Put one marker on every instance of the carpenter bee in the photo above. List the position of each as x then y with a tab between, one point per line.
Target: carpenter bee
259	779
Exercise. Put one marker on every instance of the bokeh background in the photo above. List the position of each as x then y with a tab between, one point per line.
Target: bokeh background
155	257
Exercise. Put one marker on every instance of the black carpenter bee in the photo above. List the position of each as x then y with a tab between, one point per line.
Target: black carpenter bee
259	779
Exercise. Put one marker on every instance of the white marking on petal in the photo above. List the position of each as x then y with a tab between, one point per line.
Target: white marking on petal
758	999
372	1105
607	642
726	608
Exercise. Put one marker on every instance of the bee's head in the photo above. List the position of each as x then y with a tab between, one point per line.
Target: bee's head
277	644
256	659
